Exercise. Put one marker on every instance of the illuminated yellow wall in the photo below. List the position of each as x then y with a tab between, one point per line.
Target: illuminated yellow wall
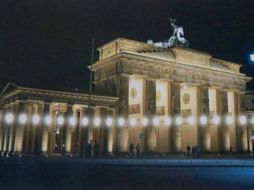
190	132
214	109
163	91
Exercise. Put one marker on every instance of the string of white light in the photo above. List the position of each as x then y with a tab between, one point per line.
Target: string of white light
203	120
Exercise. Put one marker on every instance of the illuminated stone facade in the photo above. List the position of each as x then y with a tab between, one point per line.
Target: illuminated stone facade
156	82
138	81
43	138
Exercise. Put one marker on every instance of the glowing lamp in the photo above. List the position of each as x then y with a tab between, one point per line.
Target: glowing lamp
242	119
252	57
216	120
190	120
167	121
97	121
133	122
60	120
179	120
47	120
144	121
9	118
229	120
203	120
22	118
156	121
121	122
35	119
72	121
109	121
85	121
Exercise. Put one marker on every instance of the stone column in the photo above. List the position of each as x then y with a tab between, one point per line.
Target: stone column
19	136
214	109
232	109
190	106
82	137
68	129
46	128
8	129
123	94
1	128
224	130
242	129
163	109
109	132
51	132
13	128
75	131
27	128
204	131
176	110
150	131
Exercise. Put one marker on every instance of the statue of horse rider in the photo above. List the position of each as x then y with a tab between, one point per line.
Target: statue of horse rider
177	39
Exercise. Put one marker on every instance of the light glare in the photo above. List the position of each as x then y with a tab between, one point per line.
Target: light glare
9	118
167	121
243	119
144	121
97	121
35	119
120	121
179	120
109	121
133	122
47	120
216	120
203	120
190	120
85	121
156	121
22	118
60	120
229	120
72	121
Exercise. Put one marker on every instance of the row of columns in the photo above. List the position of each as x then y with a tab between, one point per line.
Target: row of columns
203	100
17	138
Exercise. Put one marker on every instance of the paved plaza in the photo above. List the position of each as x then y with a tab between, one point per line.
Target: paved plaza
79	173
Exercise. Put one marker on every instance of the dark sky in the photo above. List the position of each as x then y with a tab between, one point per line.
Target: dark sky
47	44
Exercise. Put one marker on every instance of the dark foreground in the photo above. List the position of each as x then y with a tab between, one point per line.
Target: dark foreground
32	173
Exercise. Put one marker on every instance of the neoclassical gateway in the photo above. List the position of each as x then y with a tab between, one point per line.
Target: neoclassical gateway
159	97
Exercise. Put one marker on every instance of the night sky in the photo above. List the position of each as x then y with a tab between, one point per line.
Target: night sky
47	44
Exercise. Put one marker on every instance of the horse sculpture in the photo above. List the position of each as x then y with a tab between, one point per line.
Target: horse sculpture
177	39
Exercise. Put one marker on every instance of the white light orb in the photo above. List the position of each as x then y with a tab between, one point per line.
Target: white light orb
216	120
60	120
72	121
156	121
252	57
9	118
229	120
190	120
133	122
47	120
243	120
85	121
179	120
97	121
109	121
121	121
167	121
35	119
144	121
203	120
22	118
